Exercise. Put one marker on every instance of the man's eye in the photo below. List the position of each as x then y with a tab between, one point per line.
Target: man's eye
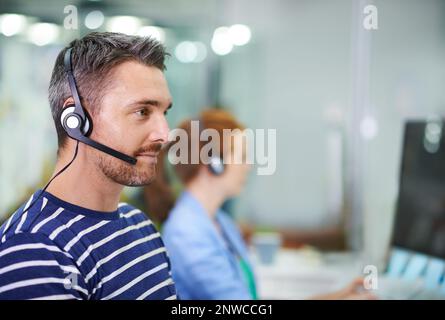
142	112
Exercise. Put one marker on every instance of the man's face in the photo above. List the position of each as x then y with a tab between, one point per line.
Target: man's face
131	119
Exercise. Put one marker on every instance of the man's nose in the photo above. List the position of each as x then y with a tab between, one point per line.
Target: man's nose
159	129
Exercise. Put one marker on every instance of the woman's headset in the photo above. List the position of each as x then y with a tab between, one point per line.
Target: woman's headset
216	163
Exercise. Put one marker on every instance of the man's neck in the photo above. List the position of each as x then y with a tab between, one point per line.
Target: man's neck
85	186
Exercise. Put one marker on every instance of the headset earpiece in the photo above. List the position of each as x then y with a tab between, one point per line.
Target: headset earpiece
216	166
72	121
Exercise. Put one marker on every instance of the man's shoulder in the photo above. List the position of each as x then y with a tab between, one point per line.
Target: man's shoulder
136	217
18	242
27	218
40	219
28	225
125	207
127	210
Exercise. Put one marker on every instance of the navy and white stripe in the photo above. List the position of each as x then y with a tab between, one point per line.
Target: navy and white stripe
58	250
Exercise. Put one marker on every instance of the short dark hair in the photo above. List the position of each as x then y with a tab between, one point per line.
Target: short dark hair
93	58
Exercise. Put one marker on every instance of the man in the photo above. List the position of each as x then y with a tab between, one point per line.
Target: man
74	240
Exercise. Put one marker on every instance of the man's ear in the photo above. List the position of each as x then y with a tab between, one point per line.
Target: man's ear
68	102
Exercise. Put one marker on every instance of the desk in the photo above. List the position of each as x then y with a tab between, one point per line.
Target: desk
303	273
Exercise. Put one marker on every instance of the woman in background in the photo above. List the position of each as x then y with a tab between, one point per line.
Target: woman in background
208	255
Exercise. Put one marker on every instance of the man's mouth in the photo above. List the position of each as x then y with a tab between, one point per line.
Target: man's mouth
150	153
151	156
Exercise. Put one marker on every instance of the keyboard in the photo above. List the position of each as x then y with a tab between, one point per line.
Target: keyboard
401	289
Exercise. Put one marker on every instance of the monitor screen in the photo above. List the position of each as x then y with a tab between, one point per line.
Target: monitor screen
420	217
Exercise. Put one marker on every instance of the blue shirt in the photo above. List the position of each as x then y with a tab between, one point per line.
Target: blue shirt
203	265
58	250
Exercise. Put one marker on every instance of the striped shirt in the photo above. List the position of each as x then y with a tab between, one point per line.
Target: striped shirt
58	250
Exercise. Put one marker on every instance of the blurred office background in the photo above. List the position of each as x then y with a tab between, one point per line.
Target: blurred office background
336	93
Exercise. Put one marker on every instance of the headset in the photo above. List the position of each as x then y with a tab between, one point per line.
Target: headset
216	163
76	121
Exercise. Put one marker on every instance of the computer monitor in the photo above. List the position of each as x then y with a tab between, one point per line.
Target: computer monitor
419	224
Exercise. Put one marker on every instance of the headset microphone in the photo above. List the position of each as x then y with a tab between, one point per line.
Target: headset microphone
75	120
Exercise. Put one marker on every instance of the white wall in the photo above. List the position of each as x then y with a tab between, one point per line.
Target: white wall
296	67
